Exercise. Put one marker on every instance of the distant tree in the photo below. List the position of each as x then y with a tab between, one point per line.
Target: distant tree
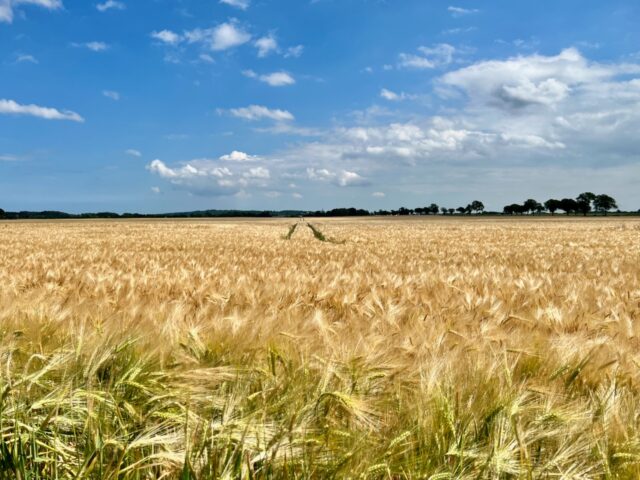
568	205
444	210
451	211
603	203
584	201
1	213
477	206
461	210
514	209
552	205
404	211
532	206
433	209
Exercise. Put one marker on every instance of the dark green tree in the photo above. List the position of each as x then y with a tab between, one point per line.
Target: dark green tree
477	206
1	213
531	206
569	205
584	202
603	203
552	205
433	209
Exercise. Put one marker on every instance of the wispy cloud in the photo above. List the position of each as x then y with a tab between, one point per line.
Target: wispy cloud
10	107
266	45
459	11
428	57
7	7
241	4
133	152
24	58
294	52
111	94
277	79
259	112
93	46
110	5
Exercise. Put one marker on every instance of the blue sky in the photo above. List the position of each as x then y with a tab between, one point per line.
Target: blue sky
159	105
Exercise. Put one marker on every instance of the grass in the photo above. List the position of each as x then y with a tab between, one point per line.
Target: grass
436	350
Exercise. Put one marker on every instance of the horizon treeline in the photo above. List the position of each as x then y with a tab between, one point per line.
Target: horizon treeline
584	204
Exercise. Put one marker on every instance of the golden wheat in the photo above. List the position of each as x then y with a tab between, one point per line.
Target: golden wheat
397	349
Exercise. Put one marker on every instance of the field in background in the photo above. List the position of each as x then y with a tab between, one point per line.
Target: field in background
403	348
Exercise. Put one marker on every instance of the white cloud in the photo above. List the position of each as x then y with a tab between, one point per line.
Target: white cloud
258	112
459	12
294	52
10	107
222	37
207	177
133	152
7	7
296	195
277	79
429	57
378	194
93	46
110	5
266	45
156	190
8	158
241	4
393	96
249	74
22	58
342	178
257	172
167	36
111	94
237	156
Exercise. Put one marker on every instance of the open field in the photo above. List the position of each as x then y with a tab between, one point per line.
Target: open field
403	348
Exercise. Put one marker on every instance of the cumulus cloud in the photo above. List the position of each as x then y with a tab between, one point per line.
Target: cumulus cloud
237	156
241	4
10	107
277	79
259	112
342	178
167	36
539	124
7	7
208	177
222	37
110	5
266	45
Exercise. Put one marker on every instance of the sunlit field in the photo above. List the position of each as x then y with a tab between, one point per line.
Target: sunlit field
397	348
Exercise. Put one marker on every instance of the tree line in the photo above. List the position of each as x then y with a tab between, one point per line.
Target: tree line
584	204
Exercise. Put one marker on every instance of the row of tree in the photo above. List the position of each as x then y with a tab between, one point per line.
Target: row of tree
583	204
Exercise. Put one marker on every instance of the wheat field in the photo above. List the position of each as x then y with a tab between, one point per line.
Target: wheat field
397	348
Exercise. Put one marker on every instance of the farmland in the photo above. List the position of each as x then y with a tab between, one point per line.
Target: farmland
398	348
